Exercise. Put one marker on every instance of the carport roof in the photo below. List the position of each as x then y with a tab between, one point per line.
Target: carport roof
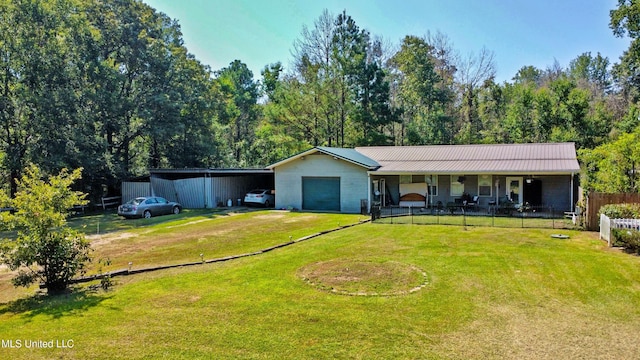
212	172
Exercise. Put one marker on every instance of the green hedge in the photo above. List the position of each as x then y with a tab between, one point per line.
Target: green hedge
621	211
628	239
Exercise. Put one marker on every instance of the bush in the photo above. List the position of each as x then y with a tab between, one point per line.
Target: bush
629	239
626	238
45	249
621	211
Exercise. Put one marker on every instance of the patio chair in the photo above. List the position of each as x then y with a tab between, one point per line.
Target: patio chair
473	203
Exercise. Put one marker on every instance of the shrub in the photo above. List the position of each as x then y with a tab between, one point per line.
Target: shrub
626	238
629	239
45	249
621	211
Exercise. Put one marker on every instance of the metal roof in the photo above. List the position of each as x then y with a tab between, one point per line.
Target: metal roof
548	158
349	155
213	172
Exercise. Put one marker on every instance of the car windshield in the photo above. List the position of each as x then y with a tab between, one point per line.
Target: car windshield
136	201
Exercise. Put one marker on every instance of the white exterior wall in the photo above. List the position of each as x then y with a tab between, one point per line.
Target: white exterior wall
353	181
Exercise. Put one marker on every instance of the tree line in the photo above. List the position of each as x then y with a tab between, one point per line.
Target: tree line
108	86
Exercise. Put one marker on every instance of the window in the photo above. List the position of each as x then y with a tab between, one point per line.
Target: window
412	179
457	185
485	184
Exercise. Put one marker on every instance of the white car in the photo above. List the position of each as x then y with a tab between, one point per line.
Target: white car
261	197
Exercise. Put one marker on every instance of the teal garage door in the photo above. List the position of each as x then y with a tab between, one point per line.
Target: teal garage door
321	193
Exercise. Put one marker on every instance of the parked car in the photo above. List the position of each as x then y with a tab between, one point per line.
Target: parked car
147	207
261	197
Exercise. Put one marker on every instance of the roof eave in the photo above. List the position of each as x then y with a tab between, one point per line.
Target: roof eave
329	153
463	172
292	158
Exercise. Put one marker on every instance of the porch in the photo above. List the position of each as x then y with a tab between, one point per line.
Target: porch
491	216
475	193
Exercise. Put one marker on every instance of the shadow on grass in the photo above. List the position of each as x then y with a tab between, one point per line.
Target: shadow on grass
109	221
70	303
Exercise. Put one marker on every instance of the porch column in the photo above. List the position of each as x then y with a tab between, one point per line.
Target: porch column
369	192
572	192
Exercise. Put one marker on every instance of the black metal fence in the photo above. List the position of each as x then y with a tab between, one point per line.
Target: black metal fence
516	217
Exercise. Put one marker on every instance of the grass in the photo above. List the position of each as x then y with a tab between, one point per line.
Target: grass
166	240
490	293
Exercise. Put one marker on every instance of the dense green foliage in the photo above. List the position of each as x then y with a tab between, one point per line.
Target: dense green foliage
626	238
613	167
110	87
45	249
621	211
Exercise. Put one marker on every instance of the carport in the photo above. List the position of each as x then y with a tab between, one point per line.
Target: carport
201	188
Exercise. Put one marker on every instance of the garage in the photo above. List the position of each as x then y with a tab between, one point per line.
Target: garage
321	193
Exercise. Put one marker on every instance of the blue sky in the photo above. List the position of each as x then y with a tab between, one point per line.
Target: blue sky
519	32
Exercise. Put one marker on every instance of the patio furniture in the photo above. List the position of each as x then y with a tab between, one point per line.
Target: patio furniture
413	200
505	206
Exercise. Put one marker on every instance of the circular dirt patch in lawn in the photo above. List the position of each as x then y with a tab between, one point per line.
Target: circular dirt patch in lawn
364	278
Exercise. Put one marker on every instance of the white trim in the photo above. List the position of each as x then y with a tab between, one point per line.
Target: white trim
490	186
369	192
292	158
313	151
571	201
520	181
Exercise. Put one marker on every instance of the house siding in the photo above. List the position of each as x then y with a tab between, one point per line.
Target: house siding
556	192
288	181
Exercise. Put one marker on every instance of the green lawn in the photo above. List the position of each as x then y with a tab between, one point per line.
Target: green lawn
490	293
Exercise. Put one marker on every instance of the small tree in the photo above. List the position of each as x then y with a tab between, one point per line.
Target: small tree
45	248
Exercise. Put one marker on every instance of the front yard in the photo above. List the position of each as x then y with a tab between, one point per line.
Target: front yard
482	292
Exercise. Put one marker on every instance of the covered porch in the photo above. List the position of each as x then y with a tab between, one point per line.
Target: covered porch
479	192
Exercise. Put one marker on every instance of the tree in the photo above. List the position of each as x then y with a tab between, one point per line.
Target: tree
39	78
625	21
613	167
312	92
528	74
46	248
422	98
103	85
238	110
591	73
492	103
373	111
349	54
473	71
520	114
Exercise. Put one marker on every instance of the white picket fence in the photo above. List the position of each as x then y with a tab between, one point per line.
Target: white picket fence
606	224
